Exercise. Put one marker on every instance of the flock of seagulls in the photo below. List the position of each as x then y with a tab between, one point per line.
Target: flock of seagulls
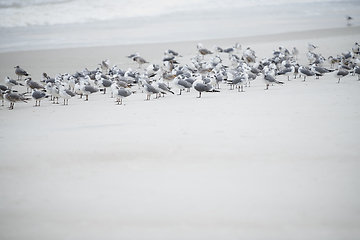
205	72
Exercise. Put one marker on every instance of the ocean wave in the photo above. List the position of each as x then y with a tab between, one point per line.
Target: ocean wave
20	13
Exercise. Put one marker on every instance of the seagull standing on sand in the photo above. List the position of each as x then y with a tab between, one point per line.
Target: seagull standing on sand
140	60
105	65
356	49
200	86
149	90
332	60
11	82
181	84
239	81
87	90
65	94
268	79
102	83
33	85
164	88
319	71
13	98
340	73
121	93
55	93
357	71
203	51
217	49
20	72
287	72
38	96
305	72
295	52
2	97
311	47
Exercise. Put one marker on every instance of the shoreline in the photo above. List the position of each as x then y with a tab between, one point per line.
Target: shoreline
70	60
284	36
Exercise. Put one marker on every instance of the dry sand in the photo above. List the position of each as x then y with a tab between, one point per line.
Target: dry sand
276	164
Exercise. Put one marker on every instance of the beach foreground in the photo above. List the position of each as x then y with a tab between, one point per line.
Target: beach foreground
275	164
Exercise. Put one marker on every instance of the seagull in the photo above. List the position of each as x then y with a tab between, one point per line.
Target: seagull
357	71
149	90
348	19
319	71
229	50
268	79
103	83
87	90
2	97
172	53
217	49
122	93
38	96
356	49
340	73
200	86
305	72
181	84
140	60
4	88
152	69
203	51
164	87
13	98
104	65
239	81
55	93
311	47
332	60
287	72
65	94
295	52
20	72
11	82
133	55
32	84
237	46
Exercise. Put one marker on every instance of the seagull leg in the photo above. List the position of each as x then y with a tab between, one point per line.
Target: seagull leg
339	80
199	95
87	98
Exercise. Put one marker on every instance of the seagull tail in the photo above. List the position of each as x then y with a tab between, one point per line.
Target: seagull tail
214	90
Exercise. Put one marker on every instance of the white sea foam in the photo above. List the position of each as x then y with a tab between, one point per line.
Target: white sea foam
15	13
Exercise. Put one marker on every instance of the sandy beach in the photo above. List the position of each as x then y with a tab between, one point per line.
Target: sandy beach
275	164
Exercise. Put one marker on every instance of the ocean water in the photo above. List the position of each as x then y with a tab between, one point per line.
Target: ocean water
46	24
